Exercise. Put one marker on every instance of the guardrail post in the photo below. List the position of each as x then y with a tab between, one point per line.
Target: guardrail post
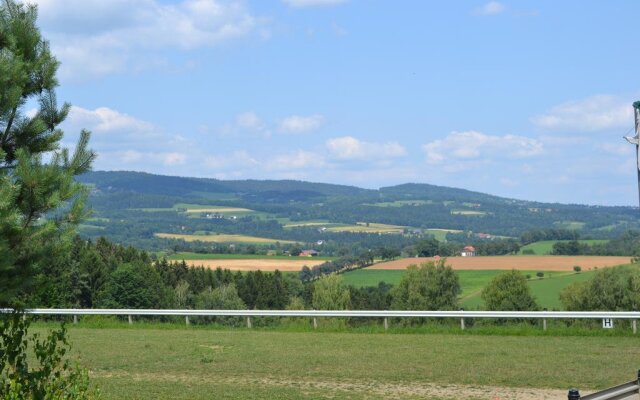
573	394
130	320
544	323
315	323
249	322
462	320
186	320
634	326
75	319
386	324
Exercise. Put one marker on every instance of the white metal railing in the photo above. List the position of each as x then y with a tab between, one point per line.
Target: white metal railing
315	314
629	315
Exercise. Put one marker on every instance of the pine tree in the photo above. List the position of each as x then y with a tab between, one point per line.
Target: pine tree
40	202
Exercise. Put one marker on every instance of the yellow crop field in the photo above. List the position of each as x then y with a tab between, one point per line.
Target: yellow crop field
368	228
257	264
221	238
522	263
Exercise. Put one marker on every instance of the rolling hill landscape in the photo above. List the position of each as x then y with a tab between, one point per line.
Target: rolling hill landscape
153	212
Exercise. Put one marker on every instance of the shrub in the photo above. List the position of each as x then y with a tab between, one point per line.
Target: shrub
577	269
431	286
509	291
540	274
53	378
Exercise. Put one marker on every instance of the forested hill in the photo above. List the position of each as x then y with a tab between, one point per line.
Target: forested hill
133	206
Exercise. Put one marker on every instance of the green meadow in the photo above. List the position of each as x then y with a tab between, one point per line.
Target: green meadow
174	362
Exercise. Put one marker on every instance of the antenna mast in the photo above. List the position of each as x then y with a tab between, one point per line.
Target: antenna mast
636	140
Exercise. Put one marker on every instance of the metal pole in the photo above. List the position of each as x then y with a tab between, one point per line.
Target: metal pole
186	320
544	321
573	394
249	322
75	319
462	320
634	326
386	324
130	320
315	323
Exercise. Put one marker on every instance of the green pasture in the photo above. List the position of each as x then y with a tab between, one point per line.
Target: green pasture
546	290
203	363
545	246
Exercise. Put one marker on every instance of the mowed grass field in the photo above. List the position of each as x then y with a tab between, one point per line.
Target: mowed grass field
200	363
545	246
221	238
524	263
546	290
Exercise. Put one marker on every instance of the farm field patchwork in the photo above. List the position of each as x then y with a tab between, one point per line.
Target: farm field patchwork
368	228
221	238
524	263
200	363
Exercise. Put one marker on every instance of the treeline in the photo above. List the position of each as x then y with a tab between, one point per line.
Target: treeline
627	244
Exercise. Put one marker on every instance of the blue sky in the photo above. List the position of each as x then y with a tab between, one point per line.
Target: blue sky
523	99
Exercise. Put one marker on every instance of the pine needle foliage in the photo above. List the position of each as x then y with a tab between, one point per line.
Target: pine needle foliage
40	202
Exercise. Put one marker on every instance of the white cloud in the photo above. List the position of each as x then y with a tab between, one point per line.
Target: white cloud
246	122
96	38
595	113
301	124
312	3
105	120
297	160
350	148
478	147
490	8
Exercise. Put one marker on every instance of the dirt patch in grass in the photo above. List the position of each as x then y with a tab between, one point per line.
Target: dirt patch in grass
346	387
525	263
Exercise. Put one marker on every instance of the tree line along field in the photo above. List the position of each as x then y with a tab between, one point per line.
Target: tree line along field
171	362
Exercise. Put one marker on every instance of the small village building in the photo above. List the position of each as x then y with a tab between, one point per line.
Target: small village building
308	253
468	251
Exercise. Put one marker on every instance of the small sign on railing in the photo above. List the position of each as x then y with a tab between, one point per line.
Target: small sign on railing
607	323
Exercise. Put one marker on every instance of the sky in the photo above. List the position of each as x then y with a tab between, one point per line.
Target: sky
522	99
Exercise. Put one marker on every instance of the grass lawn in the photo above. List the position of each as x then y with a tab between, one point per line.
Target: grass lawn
545	290
470	280
197	363
545	246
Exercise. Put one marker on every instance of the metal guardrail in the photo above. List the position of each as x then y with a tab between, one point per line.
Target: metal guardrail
629	315
386	314
626	391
